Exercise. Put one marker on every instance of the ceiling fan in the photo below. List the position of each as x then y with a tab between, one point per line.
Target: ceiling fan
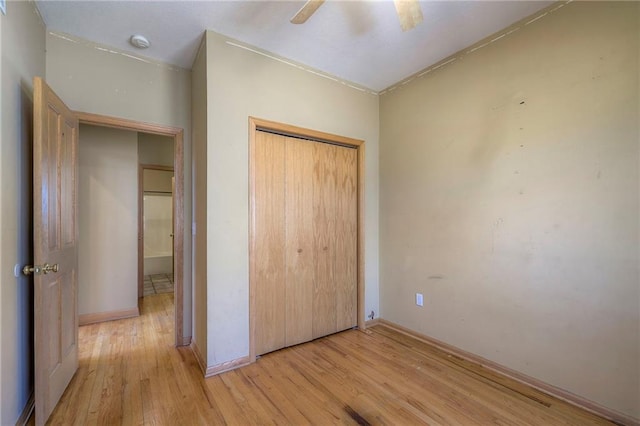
408	12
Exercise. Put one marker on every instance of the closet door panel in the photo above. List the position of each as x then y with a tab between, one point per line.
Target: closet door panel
346	256
299	241
269	242
324	213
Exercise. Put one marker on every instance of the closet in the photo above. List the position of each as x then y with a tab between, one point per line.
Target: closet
305	262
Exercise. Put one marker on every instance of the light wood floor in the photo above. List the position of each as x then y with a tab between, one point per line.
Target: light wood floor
131	374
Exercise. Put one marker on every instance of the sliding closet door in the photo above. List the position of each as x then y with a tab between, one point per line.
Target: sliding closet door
269	256
305	254
299	240
324	239
346	232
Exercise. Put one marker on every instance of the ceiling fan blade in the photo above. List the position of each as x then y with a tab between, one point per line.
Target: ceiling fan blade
306	11
409	13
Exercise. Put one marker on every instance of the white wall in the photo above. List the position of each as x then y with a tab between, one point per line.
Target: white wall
240	84
510	199
157	229
22	44
158	221
108	220
92	80
157	150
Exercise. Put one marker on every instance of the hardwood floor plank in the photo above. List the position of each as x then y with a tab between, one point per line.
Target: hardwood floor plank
130	373
313	405
131	395
422	380
383	381
228	406
263	381
380	381
475	397
346	388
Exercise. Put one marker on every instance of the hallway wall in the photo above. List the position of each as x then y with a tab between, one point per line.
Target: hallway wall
108	220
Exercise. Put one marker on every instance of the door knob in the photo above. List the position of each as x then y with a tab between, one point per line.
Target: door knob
37	269
50	268
31	269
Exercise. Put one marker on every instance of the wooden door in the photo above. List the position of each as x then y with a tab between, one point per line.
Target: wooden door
346	238
173	228
305	240
335	227
324	239
269	242
300	265
55	165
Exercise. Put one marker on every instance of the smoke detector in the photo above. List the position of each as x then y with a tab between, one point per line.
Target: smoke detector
139	41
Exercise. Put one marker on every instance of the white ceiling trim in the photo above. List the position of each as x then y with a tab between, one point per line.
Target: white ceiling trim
234	43
302	67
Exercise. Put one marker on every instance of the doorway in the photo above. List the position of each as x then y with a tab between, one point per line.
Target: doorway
156	187
177	135
56	235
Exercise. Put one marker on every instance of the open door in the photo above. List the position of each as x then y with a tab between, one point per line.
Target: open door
173	230
55	210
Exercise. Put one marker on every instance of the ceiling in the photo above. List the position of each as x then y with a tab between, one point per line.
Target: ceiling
358	41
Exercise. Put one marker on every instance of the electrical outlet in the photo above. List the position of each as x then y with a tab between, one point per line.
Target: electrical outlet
419	299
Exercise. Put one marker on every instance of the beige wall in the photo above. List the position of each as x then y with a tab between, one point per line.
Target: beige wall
199	131
155	149
92	80
22	44
108	220
240	84
509	198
